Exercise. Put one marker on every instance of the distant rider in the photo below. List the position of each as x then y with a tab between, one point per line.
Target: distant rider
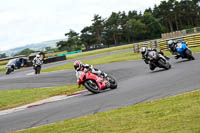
79	66
37	62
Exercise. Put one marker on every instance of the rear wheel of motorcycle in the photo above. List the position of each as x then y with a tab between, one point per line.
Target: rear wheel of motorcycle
92	86
189	55
38	70
113	83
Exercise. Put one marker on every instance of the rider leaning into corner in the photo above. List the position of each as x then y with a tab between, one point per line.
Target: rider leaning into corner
79	66
172	47
37	62
145	52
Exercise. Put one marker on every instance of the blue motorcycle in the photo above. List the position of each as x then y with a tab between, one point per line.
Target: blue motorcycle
181	49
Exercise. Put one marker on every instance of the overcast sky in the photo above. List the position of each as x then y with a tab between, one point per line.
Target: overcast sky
29	21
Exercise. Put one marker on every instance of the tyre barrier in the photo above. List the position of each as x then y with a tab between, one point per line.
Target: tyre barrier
49	60
54	59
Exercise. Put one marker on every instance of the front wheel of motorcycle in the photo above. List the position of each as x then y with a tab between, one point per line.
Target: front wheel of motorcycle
165	64
113	83
8	71
92	86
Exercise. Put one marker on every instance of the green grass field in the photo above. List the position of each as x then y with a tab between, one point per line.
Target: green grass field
15	98
2	68
176	114
99	51
3	62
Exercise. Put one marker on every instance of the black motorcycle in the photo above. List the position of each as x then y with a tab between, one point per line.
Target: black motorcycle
10	66
9	69
158	60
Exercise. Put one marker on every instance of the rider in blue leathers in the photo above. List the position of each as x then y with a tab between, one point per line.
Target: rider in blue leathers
179	48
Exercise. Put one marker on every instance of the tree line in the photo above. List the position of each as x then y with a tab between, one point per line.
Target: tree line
131	26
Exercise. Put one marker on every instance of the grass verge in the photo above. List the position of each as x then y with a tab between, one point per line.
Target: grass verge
2	68
15	98
99	51
3	62
177	114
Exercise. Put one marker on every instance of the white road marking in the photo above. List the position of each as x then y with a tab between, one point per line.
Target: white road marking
41	102
30	73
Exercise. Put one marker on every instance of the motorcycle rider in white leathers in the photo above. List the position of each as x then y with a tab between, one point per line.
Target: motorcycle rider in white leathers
37	62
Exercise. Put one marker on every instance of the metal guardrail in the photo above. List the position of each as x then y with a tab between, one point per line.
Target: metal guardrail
181	33
192	40
148	44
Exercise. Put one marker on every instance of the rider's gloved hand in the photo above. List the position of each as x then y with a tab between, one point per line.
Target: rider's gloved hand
103	74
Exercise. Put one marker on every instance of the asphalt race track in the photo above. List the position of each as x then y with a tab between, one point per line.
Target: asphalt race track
136	84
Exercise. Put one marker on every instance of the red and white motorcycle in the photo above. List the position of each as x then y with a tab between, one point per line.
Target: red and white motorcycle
95	83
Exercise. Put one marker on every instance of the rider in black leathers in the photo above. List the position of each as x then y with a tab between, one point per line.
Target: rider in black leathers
37	62
145	51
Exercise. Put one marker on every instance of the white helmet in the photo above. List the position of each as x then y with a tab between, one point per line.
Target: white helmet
170	42
143	50
38	56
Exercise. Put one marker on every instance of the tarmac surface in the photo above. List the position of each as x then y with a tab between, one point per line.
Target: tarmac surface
136	84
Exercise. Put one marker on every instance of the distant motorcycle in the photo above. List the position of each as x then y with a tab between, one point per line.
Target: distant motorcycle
95	83
10	67
158	60
183	51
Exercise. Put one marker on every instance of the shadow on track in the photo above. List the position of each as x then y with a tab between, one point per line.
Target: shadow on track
182	61
160	70
103	91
